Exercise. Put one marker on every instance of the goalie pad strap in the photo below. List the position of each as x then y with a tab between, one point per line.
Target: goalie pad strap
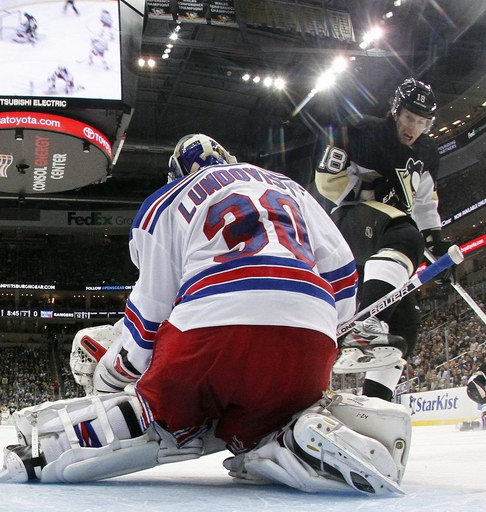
131	419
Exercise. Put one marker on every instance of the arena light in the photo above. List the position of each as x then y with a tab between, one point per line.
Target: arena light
339	64
245	77
279	83
141	62
375	33
372	35
267	81
325	80
165	56
151	63
173	36
256	79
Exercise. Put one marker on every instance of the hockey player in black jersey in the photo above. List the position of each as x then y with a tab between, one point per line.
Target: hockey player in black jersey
382	175
476	385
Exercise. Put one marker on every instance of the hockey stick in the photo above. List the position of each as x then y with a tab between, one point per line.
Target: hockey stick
462	292
453	256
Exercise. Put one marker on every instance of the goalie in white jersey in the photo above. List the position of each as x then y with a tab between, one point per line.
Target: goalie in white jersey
235	260
228	334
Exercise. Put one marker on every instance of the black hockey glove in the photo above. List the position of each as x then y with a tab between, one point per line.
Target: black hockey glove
438	247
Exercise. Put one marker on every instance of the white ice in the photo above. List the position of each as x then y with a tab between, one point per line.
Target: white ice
64	39
446	473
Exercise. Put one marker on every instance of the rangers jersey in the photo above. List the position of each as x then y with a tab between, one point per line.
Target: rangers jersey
367	162
235	245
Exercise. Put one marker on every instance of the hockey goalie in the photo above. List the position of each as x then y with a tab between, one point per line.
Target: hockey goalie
228	339
341	442
27	30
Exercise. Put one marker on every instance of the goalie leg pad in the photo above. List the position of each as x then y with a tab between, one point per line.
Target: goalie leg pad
92	438
388	423
343	441
90	464
330	447
273	463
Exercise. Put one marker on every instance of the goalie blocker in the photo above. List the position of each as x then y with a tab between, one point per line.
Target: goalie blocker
341	442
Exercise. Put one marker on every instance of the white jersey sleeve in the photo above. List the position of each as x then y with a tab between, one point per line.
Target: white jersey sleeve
425	212
335	262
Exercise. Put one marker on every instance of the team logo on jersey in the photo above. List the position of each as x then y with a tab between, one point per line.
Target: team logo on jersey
5	162
409	179
369	232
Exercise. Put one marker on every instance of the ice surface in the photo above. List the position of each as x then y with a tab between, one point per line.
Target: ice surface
446	473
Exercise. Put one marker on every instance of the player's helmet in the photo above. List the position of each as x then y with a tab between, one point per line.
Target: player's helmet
195	151
415	96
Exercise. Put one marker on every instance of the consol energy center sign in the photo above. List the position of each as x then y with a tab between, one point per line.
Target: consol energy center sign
44	153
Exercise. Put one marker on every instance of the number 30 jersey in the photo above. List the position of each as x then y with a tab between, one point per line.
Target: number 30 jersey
365	161
235	245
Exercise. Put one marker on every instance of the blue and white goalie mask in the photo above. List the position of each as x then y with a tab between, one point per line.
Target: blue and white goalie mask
195	151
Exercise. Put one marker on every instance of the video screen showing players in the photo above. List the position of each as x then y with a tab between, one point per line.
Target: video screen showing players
63	48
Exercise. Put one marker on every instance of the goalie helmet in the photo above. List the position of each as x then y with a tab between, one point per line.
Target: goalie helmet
415	96
195	151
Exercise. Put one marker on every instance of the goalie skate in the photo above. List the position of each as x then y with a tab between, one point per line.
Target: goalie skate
333	449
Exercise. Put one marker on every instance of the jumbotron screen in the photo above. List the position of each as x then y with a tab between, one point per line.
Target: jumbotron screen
60	49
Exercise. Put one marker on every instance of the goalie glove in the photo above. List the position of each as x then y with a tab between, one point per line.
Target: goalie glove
114	372
89	346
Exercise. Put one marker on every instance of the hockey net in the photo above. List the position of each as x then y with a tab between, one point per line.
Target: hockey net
9	23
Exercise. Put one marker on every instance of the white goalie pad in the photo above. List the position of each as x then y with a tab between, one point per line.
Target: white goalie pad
273	463
357	360
89	346
364	463
92	438
388	423
344	441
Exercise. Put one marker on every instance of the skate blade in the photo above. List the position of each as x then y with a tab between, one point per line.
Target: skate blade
357	360
359	474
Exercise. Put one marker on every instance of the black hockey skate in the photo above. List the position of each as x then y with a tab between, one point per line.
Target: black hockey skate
369	346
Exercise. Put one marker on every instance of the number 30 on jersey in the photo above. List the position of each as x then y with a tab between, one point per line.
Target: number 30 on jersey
334	160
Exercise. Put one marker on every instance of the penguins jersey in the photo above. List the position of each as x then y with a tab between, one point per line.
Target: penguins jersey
235	245
367	162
